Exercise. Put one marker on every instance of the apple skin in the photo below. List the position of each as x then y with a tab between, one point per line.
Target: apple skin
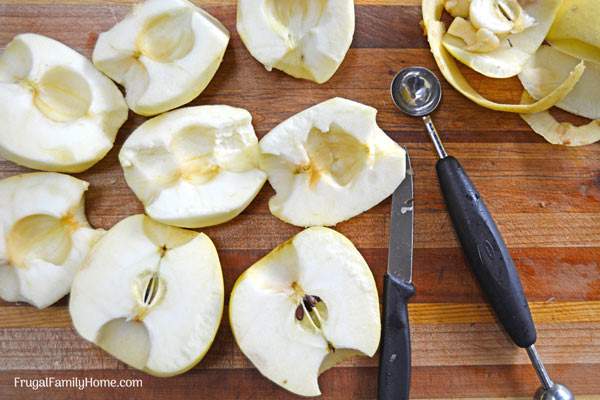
575	30
508	60
548	67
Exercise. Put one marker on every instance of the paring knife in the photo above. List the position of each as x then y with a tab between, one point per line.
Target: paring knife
394	361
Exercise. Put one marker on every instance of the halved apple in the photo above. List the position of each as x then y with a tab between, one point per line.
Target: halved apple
58	113
194	167
150	295
44	236
304	307
330	163
165	53
306	39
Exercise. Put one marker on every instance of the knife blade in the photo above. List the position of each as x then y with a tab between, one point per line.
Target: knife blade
395	358
400	253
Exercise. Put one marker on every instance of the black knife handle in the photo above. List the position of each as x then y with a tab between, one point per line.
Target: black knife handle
486	252
394	359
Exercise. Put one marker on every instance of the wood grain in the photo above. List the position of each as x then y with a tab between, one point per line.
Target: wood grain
16	316
546	200
443	335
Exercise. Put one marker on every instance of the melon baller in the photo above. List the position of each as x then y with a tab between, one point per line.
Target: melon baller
416	91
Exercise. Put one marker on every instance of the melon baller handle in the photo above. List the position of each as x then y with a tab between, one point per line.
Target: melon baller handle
490	260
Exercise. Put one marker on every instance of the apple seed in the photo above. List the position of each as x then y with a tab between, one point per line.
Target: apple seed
299	312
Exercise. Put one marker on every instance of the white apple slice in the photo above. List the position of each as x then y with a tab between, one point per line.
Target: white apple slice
194	167
44	236
150	295
305	306
165	53
306	39
58	113
330	163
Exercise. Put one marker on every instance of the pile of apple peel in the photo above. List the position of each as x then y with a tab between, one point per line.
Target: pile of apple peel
505	38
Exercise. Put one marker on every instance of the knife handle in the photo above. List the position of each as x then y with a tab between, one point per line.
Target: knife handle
394	359
486	252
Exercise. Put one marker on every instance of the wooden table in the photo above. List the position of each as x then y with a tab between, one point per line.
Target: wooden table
546	200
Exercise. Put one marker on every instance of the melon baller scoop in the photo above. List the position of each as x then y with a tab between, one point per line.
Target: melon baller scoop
417	92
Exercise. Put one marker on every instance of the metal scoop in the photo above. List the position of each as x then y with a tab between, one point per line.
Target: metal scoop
417	92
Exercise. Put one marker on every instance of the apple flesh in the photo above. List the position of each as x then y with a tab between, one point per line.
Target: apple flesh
306	39
57	111
44	236
195	166
304	307
330	163
165	53
151	295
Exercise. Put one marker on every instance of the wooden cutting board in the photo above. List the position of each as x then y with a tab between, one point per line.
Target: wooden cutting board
546	200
